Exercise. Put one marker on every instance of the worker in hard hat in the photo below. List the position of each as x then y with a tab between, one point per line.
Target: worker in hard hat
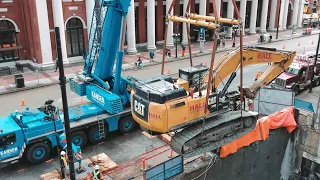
258	74
63	162
63	158
96	173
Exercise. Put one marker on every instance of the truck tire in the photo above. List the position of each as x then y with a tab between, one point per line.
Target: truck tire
38	153
93	135
79	138
126	124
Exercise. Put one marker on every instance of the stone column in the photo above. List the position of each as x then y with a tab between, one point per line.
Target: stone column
131	31
264	16
170	25
218	5
285	15
273	12
295	12
151	25
300	13
59	22
281	14
229	15
253	17
89	12
202	11
243	7
44	33
184	28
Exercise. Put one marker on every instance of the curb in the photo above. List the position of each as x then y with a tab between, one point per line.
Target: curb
198	54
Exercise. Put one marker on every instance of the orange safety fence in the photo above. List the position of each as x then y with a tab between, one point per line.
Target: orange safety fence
284	118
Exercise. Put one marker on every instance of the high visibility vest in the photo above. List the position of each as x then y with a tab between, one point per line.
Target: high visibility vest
64	161
97	175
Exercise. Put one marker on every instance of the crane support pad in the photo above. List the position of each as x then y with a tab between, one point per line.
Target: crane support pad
214	133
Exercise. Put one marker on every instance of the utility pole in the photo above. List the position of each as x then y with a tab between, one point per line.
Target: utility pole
278	20
62	79
314	65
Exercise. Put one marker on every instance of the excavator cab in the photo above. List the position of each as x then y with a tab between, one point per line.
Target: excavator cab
191	77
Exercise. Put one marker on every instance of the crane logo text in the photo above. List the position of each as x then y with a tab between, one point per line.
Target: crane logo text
196	107
97	97
264	56
139	107
8	151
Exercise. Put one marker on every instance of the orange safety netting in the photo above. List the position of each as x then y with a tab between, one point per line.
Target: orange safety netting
284	118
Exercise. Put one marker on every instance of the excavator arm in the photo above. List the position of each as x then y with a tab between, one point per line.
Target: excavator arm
229	63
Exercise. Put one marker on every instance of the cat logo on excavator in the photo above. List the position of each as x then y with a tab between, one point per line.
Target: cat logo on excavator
139	107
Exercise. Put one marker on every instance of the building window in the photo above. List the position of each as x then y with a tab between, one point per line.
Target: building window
8	42
75	37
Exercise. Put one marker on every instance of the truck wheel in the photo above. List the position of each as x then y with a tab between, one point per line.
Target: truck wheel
79	138
126	124
38	153
93	134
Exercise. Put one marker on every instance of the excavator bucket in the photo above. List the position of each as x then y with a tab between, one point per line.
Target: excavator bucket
214	133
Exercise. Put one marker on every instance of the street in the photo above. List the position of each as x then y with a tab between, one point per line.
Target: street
117	145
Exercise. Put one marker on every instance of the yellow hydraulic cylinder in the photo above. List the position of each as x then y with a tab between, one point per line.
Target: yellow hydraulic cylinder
209	25
212	19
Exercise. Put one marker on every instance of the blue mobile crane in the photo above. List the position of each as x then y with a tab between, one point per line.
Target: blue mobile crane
34	134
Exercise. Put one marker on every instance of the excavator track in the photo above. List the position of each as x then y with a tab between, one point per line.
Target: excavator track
216	132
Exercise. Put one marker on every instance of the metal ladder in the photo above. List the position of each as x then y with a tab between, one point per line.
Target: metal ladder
101	128
95	35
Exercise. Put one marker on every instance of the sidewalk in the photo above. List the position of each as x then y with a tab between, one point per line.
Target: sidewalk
49	77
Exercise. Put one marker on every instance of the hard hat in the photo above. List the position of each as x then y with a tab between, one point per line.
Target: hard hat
63	153
259	71
96	167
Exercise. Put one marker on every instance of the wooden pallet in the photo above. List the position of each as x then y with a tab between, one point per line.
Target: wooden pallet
166	137
106	164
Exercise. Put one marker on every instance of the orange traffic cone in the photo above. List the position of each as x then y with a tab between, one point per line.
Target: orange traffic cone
23	103
170	153
169	71
299	43
143	163
284	46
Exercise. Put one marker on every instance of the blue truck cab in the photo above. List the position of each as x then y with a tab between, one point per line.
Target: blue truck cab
32	135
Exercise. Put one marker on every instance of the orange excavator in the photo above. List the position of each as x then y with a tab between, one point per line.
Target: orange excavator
163	104
191	106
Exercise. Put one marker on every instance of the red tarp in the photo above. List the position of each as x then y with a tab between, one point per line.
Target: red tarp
284	118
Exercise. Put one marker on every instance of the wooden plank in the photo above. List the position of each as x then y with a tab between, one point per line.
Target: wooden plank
165	137
50	175
105	163
147	134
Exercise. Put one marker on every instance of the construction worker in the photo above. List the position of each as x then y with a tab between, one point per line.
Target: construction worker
183	50
258	74
96	173
63	162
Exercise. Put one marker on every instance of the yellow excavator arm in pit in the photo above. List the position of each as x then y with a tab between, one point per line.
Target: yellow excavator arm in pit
280	60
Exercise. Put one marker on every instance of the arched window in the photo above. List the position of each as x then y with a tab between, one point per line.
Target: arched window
8	42
75	37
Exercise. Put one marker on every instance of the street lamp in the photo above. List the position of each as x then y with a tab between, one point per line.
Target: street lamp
176	37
